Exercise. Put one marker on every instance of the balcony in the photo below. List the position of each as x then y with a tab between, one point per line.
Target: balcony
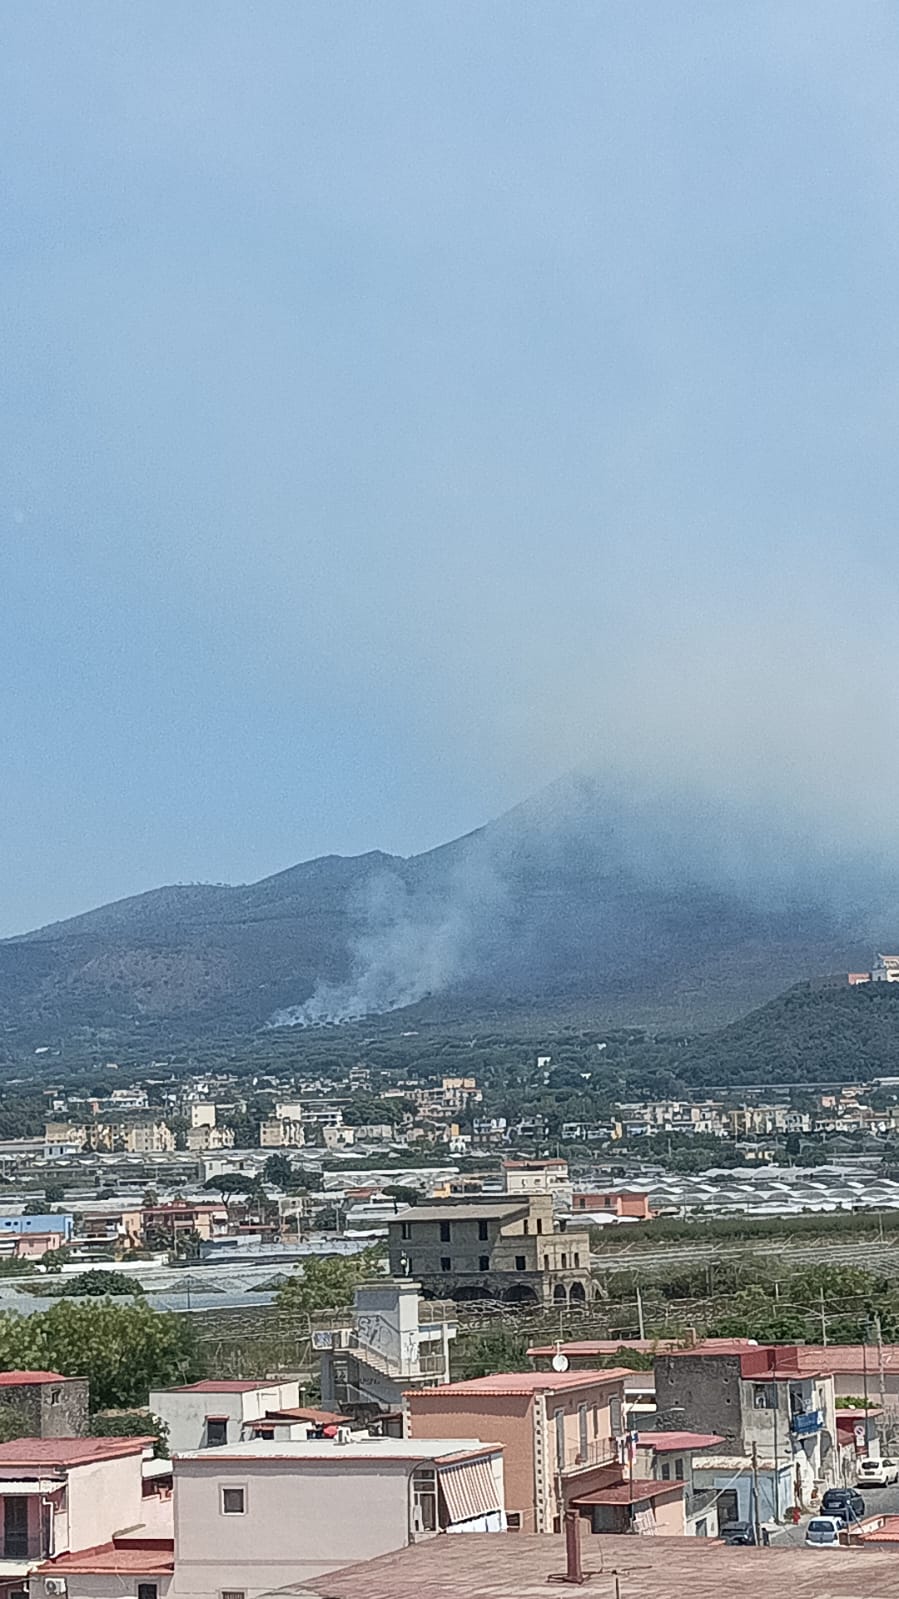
806	1422
599	1452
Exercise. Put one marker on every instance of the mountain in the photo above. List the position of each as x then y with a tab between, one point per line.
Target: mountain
655	908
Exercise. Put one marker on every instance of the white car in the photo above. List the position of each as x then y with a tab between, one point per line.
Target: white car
873	1473
823	1532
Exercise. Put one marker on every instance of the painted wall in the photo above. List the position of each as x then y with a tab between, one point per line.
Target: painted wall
103	1499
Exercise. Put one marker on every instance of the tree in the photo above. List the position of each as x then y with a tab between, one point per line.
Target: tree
105	1283
229	1183
123	1350
279	1171
54	1194
402	1195
132	1424
328	1281
482	1354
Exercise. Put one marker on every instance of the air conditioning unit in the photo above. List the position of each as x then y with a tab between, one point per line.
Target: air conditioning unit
55	1585
342	1337
343	1435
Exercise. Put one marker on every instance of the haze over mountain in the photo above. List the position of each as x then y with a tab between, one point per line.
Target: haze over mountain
658	908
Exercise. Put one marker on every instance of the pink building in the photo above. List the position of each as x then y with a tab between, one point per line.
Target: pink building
560	1433
59	1495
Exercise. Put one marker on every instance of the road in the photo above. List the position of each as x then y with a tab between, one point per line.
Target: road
878	1502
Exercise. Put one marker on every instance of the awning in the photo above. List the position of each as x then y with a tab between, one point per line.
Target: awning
469	1490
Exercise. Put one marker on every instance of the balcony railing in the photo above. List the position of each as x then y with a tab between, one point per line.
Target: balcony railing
806	1422
598	1452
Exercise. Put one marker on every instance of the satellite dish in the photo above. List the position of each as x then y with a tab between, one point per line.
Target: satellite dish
560	1362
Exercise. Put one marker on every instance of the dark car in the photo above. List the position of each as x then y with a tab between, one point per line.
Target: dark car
737	1532
843	1502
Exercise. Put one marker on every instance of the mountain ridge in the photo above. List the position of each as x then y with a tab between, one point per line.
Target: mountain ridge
586	895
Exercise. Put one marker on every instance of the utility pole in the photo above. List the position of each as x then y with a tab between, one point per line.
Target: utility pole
640	1313
776	1458
880	1377
756	1508
823	1319
865	1382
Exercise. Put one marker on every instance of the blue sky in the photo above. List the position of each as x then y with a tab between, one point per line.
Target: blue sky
404	403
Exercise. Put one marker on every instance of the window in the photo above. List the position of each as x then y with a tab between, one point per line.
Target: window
405	1230
483	1263
666	1470
564	1262
234	1501
147	1590
55	1395
444	1232
539	1224
233	1593
582	1430
546	1263
679	1468
446	1263
265	1432
513	1521
216	1431
424	1500
764	1396
482	1232
576	1259
596	1421
524	1225
559	1421
520	1263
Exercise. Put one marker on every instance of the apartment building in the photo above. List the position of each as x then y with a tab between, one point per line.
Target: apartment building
254	1517
492	1248
213	1413
46	1404
619	1202
560	1433
764	1397
391	1341
63	1494
534	1176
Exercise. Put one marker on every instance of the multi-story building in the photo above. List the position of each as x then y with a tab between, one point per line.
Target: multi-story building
534	1176
259	1516
764	1397
62	1494
45	1404
211	1413
492	1249
460	1092
277	1132
560	1434
208	1136
630	1202
885	969
390	1342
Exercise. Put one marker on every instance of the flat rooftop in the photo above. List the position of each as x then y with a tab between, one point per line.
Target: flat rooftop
517	1565
330	1451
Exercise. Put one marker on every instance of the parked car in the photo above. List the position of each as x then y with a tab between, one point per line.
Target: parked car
823	1532
873	1473
737	1532
845	1502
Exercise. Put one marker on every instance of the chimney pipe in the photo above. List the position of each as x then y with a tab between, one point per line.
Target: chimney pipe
574	1565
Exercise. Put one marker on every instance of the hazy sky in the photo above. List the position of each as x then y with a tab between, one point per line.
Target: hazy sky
404	402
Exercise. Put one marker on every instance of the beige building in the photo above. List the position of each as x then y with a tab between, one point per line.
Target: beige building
534	1176
280	1133
254	1517
487	1248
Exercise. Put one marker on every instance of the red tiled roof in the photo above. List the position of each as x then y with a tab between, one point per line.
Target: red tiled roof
68	1451
141	1557
665	1442
523	1382
644	1346
213	1386
627	1493
19	1379
324	1418
888	1532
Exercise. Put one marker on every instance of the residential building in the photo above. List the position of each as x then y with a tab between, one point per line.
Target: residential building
669	1457
560	1433
391	1341
885	969
212	1413
534	1176
63	1494
583	1354
763	1398
338	1137
46	1404
254	1517
630	1202
53	1222
202	1114
122	1568
209	1136
280	1133
492	1248
174	1220
459	1092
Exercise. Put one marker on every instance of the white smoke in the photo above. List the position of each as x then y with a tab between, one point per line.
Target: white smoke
408	948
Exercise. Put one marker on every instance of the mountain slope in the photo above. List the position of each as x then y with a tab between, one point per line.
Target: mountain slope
655	911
